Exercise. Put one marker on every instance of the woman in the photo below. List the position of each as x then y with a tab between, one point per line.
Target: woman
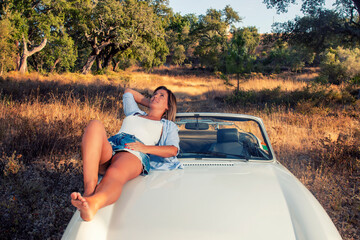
127	154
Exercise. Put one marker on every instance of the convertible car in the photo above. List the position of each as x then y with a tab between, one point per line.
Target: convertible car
231	187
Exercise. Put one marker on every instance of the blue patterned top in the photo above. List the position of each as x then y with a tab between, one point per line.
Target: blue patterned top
169	136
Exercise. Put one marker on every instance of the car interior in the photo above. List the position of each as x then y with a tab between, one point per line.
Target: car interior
226	141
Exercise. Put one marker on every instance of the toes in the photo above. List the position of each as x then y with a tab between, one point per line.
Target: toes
81	198
74	196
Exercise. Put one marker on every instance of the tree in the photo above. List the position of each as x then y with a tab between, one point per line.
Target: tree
349	9
340	65
239	55
59	55
212	31
251	38
320	29
317	32
179	55
178	38
111	27
35	23
284	56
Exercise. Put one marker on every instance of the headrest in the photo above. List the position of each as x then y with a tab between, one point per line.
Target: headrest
227	135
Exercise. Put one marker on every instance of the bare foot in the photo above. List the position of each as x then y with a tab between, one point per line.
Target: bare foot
83	206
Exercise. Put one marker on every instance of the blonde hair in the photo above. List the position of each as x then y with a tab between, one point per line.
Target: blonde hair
170	113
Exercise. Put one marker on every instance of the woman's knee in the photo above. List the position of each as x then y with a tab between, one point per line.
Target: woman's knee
95	131
95	124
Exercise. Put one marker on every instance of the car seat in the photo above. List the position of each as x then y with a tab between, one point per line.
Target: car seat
227	142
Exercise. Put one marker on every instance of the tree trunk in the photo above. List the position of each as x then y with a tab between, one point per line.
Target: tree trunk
98	63
17	59
116	65
87	67
54	66
238	81
110	56
23	63
26	53
114	50
93	55
2	69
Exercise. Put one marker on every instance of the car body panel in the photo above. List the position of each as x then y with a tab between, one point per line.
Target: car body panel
208	202
211	199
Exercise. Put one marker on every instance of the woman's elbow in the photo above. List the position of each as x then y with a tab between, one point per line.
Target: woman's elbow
174	151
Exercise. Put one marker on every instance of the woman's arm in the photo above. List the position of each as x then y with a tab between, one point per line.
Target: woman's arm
161	151
139	98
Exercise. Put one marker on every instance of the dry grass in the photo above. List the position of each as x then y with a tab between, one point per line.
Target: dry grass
270	83
42	119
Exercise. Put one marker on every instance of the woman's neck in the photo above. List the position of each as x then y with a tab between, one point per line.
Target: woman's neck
154	115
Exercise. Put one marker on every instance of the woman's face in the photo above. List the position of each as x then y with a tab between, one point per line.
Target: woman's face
160	100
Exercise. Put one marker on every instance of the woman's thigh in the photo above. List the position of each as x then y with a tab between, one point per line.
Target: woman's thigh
95	142
125	165
106	155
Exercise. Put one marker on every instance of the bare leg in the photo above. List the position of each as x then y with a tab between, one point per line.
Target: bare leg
96	152
124	167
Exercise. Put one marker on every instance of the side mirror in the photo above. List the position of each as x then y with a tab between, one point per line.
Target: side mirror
197	126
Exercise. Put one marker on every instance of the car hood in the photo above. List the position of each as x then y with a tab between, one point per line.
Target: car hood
214	201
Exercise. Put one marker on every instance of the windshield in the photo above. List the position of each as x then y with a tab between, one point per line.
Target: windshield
222	138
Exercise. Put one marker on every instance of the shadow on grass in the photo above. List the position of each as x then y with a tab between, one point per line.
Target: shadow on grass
181	71
45	91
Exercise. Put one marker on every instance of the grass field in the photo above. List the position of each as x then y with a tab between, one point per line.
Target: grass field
314	130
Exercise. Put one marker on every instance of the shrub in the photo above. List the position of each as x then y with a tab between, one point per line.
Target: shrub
340	66
10	164
179	55
314	96
284	57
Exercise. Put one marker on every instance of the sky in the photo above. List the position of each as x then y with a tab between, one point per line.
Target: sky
253	12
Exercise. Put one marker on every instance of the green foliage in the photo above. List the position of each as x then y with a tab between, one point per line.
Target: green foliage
118	34
34	22
239	56
281	57
179	55
178	38
320	29
154	55
7	46
316	32
124	60
340	65
111	27
251	38
59	55
308	6
212	31
303	100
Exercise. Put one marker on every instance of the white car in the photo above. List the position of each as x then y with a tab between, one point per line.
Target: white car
231	187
